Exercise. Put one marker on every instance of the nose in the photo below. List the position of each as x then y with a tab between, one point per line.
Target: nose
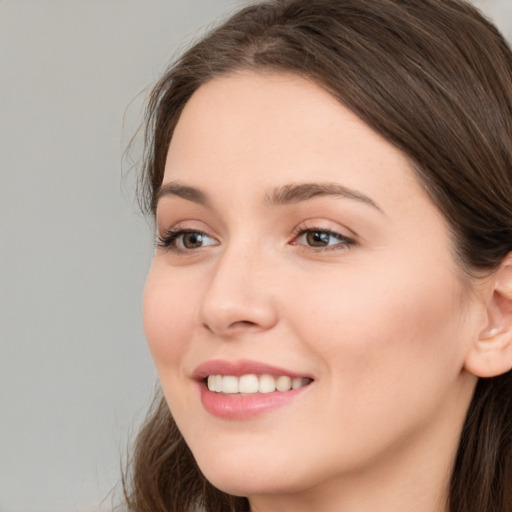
239	297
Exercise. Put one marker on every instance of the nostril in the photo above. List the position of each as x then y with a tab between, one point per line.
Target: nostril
235	328
239	325
243	324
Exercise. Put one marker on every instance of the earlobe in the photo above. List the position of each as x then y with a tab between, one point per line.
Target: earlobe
491	351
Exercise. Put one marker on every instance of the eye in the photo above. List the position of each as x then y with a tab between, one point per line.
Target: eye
321	238
185	239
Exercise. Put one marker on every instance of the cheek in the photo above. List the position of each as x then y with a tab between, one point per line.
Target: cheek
384	325
391	353
167	316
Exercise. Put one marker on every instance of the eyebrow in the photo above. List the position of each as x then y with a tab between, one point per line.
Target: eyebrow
177	189
295	193
286	194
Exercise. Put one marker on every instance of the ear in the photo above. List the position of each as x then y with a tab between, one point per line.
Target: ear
491	352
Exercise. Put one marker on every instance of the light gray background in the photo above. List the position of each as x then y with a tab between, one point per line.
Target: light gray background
75	374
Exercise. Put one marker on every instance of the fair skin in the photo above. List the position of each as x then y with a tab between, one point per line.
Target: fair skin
354	288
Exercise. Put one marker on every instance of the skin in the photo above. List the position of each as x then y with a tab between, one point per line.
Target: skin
384	325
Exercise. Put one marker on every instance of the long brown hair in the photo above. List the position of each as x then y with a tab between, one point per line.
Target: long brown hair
435	79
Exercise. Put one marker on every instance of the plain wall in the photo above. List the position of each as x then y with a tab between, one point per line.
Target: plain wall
75	374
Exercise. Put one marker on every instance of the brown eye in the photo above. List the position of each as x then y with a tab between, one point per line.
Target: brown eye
318	238
185	240
193	240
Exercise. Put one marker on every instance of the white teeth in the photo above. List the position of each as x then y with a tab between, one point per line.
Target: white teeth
248	384
283	383
218	383
229	384
267	384
251	383
297	383
211	383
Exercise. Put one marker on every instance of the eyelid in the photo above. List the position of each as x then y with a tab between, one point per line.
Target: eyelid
166	238
305	227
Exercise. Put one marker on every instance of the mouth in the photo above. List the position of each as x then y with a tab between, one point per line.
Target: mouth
244	389
251	384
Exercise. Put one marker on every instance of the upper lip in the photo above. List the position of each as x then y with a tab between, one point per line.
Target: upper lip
241	367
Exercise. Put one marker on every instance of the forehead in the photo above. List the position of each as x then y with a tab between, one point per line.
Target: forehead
276	128
254	107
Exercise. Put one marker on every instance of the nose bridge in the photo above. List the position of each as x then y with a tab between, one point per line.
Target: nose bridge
238	295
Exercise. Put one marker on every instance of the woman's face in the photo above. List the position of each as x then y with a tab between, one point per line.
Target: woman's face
296	243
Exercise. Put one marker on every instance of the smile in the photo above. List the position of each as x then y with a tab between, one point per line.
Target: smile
243	389
252	383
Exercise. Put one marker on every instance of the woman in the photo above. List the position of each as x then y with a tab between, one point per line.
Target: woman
330	303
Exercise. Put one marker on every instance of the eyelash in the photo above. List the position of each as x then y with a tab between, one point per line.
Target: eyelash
344	242
169	239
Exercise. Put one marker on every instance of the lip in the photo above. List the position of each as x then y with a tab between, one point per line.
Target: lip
243	407
241	367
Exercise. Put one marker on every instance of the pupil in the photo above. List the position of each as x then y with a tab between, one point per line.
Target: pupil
318	238
191	240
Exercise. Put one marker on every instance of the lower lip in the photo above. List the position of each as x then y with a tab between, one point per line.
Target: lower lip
241	407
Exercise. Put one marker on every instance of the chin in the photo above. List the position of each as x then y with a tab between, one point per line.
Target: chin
242	475
253	484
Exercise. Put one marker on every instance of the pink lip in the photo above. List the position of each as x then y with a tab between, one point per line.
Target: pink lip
242	407
241	367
